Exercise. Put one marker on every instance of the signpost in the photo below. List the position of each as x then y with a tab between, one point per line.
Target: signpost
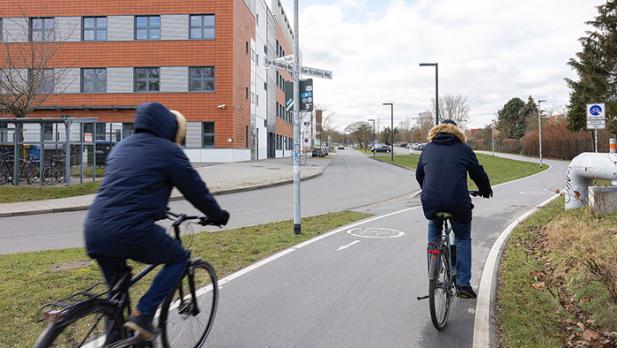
596	119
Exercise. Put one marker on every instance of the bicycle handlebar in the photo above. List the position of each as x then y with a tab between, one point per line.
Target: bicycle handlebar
474	193
180	218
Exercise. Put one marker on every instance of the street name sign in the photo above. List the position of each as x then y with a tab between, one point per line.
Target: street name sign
324	74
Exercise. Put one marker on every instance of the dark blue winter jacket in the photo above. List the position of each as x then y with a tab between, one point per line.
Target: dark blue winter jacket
442	174
140	173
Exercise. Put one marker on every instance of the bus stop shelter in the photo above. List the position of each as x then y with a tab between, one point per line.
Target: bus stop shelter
65	135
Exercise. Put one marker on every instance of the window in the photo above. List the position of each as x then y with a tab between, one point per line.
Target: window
201	79
208	134
43	78
202	27
147	27
48	132
94	29
147	79
127	129
247	92
265	86
247	47
101	131
246	136
266	50
94	80
42	28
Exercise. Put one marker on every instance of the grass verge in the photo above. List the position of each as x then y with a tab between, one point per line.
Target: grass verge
499	169
11	194
29	280
558	281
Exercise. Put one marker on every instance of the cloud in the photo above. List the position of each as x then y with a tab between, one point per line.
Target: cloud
488	51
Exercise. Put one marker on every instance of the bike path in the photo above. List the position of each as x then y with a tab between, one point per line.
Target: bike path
346	290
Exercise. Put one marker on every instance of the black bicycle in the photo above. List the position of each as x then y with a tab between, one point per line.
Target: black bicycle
442	271
53	173
91	319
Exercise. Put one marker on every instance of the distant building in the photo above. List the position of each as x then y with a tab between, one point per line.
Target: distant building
203	58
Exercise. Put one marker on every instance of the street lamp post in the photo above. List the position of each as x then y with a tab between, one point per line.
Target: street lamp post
391	129
296	109
374	135
540	128
436	65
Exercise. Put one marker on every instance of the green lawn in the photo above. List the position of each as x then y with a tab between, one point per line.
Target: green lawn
499	169
558	280
29	280
22	193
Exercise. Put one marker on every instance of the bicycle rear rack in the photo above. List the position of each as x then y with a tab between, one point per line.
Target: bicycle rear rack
53	311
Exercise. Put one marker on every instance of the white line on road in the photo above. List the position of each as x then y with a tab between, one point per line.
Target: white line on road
343	247
482	325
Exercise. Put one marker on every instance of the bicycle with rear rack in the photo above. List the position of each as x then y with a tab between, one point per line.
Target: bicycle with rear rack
442	271
53	173
94	318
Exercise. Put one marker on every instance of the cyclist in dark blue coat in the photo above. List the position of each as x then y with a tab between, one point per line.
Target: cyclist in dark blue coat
442	175
140	173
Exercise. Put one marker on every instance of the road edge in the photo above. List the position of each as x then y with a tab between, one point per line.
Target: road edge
171	199
484	322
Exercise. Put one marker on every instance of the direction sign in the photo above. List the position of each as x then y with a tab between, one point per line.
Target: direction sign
324	74
596	116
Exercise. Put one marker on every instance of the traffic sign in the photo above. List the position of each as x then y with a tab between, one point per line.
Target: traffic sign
596	116
324	74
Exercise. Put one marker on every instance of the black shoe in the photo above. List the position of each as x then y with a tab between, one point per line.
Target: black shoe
465	291
142	325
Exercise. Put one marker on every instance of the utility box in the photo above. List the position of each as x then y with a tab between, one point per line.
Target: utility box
603	200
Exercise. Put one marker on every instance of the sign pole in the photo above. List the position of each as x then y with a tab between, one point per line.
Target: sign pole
595	131
297	136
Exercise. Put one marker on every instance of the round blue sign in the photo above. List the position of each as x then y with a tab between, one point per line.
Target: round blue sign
595	110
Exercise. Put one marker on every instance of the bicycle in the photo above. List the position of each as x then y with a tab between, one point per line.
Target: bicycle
54	173
442	272
89	319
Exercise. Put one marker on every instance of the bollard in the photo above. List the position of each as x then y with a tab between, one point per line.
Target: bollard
612	145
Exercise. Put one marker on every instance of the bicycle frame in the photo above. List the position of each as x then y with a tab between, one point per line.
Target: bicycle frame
441	245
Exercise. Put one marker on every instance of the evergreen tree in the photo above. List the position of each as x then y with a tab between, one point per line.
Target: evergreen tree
509	119
528	116
596	67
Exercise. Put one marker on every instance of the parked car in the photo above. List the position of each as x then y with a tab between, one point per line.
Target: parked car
383	148
420	146
318	152
402	144
341	148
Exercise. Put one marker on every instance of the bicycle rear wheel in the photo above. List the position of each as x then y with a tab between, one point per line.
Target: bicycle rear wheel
187	316
440	290
5	174
83	327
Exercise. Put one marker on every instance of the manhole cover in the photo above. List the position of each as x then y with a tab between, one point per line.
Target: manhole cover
375	232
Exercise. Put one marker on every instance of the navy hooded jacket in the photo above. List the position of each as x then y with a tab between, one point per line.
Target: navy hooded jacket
442	174
140	173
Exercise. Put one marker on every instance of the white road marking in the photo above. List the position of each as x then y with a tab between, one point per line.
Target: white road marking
348	245
375	233
482	323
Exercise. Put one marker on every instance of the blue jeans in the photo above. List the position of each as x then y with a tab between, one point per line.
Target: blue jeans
462	234
158	249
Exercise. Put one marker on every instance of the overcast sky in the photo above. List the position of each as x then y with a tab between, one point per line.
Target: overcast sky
488	50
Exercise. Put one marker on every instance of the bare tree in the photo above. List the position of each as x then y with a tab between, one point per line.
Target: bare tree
426	121
453	107
27	76
361	133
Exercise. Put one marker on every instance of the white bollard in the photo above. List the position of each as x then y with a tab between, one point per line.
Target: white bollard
581	172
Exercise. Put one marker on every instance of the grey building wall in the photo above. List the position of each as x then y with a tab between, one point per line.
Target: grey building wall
174	27
174	79
120	80
193	135
68	29
120	28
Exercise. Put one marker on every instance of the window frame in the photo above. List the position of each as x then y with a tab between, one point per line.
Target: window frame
203	80
95	29
44	37
96	80
148	28
202	27
148	80
53	80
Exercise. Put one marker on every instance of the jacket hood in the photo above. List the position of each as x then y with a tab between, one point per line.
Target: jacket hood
155	118
446	131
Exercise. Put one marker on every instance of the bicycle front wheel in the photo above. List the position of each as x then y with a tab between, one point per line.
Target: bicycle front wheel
94	326
439	291
188	313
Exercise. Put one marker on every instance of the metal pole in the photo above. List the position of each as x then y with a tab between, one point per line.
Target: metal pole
42	154
16	141
81	153
392	132
374	138
436	93
67	153
595	131
93	151
493	136
296	154
540	129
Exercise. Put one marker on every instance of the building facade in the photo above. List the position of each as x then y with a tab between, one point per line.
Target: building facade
202	58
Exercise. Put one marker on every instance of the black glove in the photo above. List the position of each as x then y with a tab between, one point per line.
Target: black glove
223	220
487	194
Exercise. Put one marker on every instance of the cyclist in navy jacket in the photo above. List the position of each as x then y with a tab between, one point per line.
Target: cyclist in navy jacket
140	173
442	175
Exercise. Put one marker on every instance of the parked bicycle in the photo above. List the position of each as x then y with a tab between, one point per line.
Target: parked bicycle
54	171
442	272
91	319
28	169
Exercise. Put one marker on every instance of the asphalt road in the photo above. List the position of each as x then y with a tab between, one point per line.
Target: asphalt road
351	181
347	290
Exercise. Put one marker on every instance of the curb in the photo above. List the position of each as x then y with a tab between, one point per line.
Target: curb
484	323
171	199
393	164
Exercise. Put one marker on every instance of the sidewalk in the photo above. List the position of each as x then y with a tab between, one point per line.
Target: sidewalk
221	179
